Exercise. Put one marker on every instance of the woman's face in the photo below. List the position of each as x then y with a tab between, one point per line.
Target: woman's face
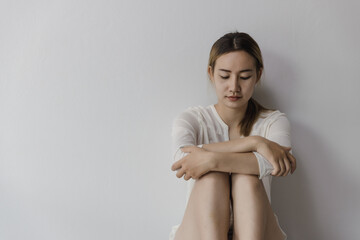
234	75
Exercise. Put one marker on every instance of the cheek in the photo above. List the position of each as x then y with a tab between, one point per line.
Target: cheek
249	88
220	86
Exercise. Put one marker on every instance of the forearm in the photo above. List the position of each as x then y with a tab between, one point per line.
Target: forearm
244	163
240	145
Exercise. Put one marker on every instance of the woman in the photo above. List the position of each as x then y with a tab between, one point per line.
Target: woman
230	150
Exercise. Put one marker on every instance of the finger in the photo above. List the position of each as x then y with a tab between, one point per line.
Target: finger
176	165
276	170
293	162
288	166
180	173
187	176
276	167
282	168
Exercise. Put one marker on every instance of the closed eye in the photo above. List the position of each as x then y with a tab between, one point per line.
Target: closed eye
243	78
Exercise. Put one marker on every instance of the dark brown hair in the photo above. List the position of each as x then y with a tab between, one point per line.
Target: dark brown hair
239	41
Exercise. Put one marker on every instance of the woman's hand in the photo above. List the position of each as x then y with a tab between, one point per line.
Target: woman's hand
197	163
279	156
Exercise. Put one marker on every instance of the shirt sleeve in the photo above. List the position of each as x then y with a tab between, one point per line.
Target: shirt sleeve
277	131
185	130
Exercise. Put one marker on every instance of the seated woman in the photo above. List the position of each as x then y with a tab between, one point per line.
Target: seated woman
229	151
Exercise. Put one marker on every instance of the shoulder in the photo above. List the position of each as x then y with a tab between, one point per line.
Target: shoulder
192	113
191	116
188	114
274	120
272	115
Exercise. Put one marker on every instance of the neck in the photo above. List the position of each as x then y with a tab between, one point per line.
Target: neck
231	116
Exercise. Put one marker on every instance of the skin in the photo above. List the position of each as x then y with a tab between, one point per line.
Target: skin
234	74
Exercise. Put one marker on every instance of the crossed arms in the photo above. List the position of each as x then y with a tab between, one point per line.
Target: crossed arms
236	156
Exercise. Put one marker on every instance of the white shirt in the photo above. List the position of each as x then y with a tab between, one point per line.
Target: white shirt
202	125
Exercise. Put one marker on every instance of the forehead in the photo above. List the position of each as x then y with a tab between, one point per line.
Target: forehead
235	61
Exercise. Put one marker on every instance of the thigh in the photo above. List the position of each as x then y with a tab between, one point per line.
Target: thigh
249	207
253	215
207	213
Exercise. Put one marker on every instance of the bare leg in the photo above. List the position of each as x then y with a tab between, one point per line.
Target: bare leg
207	213
253	215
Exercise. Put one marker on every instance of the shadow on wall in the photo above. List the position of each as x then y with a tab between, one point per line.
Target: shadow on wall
293	197
277	79
311	203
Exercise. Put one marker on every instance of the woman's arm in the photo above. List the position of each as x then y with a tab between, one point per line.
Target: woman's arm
199	162
273	152
237	154
267	153
244	163
282	161
246	144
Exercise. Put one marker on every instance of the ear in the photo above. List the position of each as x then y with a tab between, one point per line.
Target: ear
210	74
259	73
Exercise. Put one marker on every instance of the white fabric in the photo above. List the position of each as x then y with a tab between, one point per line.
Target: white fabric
202	125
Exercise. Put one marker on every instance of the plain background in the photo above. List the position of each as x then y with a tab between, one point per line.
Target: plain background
89	89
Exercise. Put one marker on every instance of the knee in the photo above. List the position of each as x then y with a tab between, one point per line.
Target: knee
214	180
246	180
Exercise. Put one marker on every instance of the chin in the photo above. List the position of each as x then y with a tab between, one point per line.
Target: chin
234	105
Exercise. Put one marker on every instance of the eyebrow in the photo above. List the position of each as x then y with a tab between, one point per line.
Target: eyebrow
245	70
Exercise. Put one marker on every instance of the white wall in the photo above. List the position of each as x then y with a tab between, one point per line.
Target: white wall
89	89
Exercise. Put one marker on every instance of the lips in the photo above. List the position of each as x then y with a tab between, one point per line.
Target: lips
233	98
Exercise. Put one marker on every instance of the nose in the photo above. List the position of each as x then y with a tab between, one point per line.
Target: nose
234	85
